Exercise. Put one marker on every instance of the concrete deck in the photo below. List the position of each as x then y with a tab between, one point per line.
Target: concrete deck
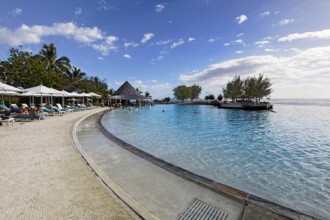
42	177
156	193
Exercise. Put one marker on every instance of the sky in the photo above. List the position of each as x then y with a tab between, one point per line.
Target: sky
158	45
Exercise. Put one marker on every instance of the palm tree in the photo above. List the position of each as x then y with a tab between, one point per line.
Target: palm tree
55	67
147	95
74	77
48	54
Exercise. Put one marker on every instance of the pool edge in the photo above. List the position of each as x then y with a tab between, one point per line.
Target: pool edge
251	201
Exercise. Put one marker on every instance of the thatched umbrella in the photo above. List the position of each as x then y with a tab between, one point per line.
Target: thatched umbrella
127	92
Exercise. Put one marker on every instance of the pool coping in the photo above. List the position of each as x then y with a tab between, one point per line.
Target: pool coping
231	192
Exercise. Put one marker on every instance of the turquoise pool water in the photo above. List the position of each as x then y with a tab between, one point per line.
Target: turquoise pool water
283	157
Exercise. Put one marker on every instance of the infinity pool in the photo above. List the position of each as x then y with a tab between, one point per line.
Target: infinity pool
283	157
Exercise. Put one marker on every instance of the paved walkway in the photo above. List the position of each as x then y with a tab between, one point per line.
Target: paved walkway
42	177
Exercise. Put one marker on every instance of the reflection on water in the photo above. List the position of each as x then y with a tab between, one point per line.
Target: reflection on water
282	156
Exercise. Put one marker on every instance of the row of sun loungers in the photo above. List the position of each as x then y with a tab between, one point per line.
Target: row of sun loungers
15	112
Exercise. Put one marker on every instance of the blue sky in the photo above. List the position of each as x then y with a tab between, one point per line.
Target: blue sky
158	45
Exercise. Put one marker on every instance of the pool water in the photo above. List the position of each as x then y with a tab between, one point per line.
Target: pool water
282	156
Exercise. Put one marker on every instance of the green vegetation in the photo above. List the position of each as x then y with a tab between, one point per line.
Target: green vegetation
249	89
24	69
209	97
220	97
167	99
184	92
147	95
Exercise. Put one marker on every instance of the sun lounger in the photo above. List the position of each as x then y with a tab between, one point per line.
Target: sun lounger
30	117
14	108
8	121
25	105
48	111
81	107
3	106
59	106
58	111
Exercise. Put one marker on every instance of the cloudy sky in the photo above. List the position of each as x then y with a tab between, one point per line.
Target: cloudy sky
158	45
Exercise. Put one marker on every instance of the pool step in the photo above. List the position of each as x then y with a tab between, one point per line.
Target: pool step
200	210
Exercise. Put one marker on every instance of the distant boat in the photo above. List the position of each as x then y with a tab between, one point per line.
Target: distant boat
247	106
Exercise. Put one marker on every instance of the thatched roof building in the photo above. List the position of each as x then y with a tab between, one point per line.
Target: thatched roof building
127	92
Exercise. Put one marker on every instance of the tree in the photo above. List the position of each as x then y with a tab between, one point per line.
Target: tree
22	69
111	91
181	92
234	89
167	99
55	67
48	54
195	91
251	88
263	87
74	77
220	97
209	97
147	95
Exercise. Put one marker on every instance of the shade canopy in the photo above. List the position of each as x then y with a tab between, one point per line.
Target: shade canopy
85	94
127	92
65	93
41	91
92	94
74	94
5	87
7	93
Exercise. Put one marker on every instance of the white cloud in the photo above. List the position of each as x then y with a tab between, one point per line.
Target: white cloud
159	58
104	6
264	14
77	12
270	50
139	84
111	39
127	56
316	35
262	43
190	39
176	44
240	35
156	89
104	48
285	22
163	42
131	44
226	44
147	37
212	40
240	19
159	7
239	51
240	42
16	12
92	37
304	74
160	86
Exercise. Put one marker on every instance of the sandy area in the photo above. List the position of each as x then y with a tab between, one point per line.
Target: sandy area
42	177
